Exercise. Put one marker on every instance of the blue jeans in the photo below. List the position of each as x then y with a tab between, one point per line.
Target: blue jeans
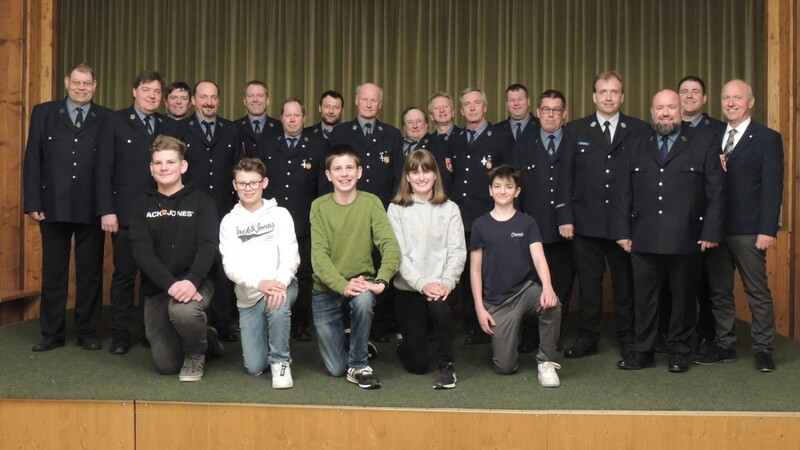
265	333
326	307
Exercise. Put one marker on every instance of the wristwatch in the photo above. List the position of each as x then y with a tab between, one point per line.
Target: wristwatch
383	282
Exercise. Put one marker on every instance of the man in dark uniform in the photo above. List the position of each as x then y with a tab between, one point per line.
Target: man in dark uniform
179	97
59	194
442	113
295	160
669	210
473	152
122	173
544	165
520	122
256	122
331	107
601	142
212	149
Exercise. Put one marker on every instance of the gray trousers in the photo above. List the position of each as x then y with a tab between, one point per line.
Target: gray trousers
176	329
739	252
508	318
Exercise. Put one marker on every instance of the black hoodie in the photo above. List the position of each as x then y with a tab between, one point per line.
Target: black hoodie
174	238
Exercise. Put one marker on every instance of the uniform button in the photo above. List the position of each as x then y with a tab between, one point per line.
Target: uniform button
608	157
551	202
551	190
463	195
551	178
73	177
608	171
286	198
659	198
606	186
211	173
467	169
465	181
288	173
73	153
661	212
287	185
129	141
606	201
75	164
76	139
211	187
367	154
467	156
660	183
367	167
661	170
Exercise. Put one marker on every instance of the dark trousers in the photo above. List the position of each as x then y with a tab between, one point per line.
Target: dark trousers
384	320
467	300
740	252
224	298
56	247
591	254
650	271
301	310
562	276
704	329
122	285
412	312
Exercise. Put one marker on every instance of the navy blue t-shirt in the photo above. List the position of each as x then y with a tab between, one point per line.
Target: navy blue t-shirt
507	263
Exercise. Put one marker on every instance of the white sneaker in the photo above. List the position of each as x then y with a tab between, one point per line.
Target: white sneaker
281	375
547	374
192	369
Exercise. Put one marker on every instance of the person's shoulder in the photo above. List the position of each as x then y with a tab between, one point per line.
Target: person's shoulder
387	128
367	197
322	200
634	123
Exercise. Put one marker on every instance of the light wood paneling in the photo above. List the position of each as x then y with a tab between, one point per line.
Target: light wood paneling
67	424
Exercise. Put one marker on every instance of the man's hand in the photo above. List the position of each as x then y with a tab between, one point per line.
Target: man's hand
626	244
36	215
356	287
274	293
109	223
184	291
567	231
705	245
764	242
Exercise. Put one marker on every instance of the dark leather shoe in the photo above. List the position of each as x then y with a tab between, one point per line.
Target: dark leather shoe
301	334
214	348
47	344
678	363
704	346
624	349
477	337
582	347
636	360
764	362
119	346
717	355
90	343
228	337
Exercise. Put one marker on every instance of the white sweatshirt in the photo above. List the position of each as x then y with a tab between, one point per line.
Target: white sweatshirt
256	246
431	239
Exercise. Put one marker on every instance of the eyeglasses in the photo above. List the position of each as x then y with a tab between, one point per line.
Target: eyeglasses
240	185
415	122
548	110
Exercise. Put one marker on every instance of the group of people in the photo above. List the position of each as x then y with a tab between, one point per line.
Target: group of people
362	229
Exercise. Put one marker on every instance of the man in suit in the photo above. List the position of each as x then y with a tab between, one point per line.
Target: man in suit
212	149
122	173
415	130
473	152
377	144
520	122
178	100
692	90
669	210
58	174
295	160
331	107
543	162
256	122
599	154
752	156
442	112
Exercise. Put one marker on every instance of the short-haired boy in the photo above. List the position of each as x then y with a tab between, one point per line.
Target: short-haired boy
506	257
260	255
174	240
344	226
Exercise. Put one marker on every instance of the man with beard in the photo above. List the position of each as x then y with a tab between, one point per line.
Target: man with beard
669	210
122	174
212	150
256	122
331	107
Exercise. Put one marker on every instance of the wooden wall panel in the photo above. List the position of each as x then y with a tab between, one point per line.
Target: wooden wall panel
67	424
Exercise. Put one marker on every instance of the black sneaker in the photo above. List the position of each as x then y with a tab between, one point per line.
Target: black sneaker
446	378
717	355
704	346
584	346
764	362
364	378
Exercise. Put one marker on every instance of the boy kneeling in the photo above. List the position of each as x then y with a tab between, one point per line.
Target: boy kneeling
506	256
259	253
174	241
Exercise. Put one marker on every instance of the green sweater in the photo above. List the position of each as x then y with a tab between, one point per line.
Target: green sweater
341	241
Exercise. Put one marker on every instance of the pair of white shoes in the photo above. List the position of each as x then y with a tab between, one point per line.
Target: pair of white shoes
281	375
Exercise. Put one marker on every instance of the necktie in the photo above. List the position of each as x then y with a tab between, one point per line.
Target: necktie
326	134
257	127
79	117
607	131
519	130
147	125
471	137
664	149
207	126
551	146
291	143
409	146
368	126
729	144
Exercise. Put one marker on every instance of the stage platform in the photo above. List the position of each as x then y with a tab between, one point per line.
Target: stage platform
69	398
